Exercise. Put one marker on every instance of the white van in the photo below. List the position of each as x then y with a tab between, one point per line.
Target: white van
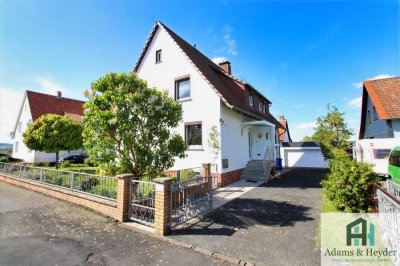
376	152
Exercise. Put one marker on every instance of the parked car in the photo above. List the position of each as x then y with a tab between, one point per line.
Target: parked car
74	159
8	158
394	165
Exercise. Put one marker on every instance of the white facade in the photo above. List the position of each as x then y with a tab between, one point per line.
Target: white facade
374	127
20	150
203	107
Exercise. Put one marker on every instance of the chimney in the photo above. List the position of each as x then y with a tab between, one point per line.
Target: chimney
59	94
282	117
226	66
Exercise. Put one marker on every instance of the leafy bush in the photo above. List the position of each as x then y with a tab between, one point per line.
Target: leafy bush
4	160
91	161
65	164
187	174
108	192
348	184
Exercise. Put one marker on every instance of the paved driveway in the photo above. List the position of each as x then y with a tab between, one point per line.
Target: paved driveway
274	224
39	230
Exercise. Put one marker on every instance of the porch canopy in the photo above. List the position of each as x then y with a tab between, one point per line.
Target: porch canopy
260	123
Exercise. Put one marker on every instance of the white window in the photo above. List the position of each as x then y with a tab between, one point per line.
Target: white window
19	127
158	56
193	135
182	89
260	106
16	147
251	100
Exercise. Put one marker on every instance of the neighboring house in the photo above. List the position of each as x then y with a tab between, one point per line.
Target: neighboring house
380	110
302	154
34	105
210	97
284	134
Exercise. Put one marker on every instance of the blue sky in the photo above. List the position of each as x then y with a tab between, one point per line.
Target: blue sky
301	54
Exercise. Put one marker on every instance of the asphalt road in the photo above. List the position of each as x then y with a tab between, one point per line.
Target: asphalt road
274	224
39	230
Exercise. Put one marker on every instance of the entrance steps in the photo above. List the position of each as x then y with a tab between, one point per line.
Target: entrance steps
257	170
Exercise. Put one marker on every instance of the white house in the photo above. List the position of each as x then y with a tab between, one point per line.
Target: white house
380	110
34	105
210	97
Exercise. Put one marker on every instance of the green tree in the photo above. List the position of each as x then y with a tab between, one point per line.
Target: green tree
307	138
129	126
332	132
213	142
52	134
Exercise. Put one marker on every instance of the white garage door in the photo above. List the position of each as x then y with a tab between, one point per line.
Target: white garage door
304	158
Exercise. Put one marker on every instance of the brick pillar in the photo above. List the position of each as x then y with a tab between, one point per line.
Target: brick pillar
123	196
162	206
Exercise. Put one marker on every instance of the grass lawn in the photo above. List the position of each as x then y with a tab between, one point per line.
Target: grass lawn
327	205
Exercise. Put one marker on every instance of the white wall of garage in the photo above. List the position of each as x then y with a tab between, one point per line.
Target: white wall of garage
303	157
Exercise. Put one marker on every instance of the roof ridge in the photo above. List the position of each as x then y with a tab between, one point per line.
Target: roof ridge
64	98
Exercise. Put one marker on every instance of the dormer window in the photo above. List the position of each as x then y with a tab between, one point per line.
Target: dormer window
158	56
264	108
260	106
251	100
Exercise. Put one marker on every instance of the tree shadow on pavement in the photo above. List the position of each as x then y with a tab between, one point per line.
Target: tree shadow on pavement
243	213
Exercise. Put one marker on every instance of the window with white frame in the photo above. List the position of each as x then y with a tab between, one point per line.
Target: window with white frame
158	56
182	89
251	100
260	106
193	135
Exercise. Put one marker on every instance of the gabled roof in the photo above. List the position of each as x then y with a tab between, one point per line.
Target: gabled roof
41	104
230	89
385	96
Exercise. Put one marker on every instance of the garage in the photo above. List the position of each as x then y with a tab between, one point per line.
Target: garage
302	154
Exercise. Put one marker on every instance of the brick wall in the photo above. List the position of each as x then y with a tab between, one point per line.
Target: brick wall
99	205
230	177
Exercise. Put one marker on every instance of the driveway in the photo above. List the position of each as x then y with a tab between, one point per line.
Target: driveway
274	224
38	230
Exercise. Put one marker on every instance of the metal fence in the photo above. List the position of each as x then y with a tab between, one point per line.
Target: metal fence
142	207
216	181
190	198
389	214
96	185
393	188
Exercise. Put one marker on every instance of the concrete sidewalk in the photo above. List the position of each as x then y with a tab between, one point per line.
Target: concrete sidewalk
222	196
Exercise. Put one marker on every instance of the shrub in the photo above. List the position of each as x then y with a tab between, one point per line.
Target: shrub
4	160
65	164
348	184
91	161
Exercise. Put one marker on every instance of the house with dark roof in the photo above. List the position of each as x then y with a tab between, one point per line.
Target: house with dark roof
211	98
380	109
34	105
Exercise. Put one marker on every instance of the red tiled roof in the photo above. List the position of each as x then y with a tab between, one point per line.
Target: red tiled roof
41	104
385	96
229	89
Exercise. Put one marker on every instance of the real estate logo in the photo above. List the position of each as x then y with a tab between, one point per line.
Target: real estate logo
358	230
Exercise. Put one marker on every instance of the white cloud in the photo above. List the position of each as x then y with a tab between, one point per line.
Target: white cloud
358	85
230	42
354	103
309	125
230	46
10	103
219	60
48	86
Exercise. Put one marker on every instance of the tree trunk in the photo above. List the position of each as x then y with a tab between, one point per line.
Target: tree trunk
57	160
